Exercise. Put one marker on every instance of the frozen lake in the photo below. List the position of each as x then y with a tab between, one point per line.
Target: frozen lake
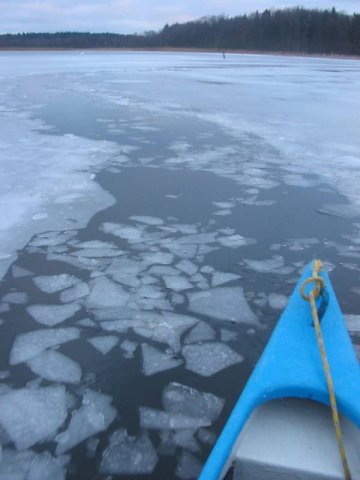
155	213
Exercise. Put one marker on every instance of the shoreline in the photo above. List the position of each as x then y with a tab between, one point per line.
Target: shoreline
184	50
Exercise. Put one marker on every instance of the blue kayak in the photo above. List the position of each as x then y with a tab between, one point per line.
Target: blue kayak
290	371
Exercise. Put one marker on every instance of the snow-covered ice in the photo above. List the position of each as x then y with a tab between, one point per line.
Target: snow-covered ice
55	366
128	455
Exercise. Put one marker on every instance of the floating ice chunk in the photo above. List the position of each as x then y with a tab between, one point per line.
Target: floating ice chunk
185	439
158	258
207	269
177	299
277	301
28	345
227	335
91	446
266	266
206	436
180	323
128	455
79	290
235	241
32	415
115	326
106	293
219	278
226	303
186	228
15	297
104	344
223	204
187	266
15	465
4	374
94	415
51	238
96	244
343	210
352	323
181	399
154	360
129	348
54	283
182	251
200	333
162	270
147	220
46	467
157	419
177	283
126	232
209	358
53	314
19	272
98	253
198	238
86	322
222	213
55	366
188	467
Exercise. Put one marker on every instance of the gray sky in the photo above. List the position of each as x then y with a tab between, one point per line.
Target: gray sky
132	16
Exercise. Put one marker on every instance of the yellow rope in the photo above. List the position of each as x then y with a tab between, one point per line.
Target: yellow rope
319	284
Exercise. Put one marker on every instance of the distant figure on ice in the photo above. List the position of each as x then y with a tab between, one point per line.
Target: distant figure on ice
223	54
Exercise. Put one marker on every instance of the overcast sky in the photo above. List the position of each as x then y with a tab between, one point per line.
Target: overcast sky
132	16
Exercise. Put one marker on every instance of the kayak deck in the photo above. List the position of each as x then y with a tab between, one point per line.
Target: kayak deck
294	439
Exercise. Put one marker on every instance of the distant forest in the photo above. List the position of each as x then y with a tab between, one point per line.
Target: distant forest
297	30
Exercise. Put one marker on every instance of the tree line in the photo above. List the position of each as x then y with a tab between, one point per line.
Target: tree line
297	30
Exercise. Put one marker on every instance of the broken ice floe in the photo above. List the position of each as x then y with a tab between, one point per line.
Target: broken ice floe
223	303
104	344
55	366
54	283
200	333
79	290
129	348
53	314
28	345
32	415
154	221
151	418
130	455
277	301
187	266
15	297
155	361
177	283
352	323
105	293
27	465
271	265
94	415
206	359
235	241
220	278
188	467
